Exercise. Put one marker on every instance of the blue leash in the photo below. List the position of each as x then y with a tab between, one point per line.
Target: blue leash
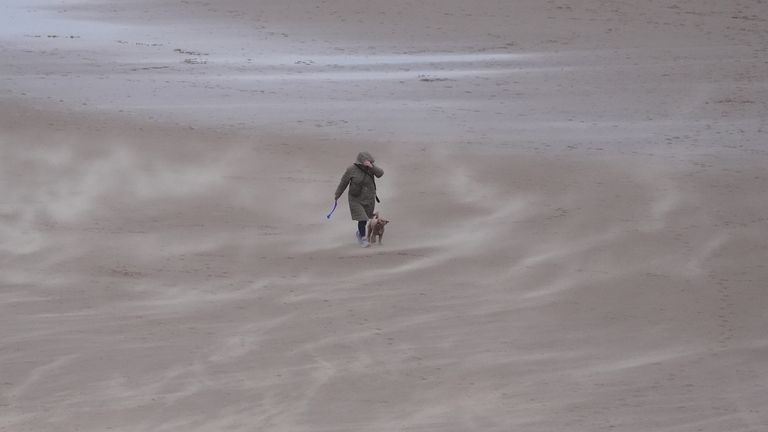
332	210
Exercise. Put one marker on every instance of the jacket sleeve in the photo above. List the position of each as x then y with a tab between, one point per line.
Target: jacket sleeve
378	172
343	184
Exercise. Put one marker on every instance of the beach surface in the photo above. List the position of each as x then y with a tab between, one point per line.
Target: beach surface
577	191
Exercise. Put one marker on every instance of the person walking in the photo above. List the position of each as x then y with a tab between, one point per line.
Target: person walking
361	179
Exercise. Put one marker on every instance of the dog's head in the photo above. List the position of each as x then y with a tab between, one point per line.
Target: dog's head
378	223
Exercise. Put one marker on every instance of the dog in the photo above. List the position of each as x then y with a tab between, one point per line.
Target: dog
376	228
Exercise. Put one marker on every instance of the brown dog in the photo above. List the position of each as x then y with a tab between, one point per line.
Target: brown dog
376	228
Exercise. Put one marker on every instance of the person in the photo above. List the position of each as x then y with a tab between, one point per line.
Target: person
360	177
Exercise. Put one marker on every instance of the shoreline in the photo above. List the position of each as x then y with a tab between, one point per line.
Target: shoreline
656	98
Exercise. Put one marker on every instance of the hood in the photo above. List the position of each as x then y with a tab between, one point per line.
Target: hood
364	156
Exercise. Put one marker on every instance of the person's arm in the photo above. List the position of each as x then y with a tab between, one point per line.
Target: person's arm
378	172
342	185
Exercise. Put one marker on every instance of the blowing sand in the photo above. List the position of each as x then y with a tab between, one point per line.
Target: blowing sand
578	197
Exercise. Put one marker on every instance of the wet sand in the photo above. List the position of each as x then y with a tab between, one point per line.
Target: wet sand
577	195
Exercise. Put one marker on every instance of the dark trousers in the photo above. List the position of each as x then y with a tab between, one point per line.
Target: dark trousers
361	228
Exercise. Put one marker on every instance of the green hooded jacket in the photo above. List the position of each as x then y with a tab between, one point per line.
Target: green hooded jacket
362	187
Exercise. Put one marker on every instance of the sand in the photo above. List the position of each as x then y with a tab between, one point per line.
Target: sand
577	195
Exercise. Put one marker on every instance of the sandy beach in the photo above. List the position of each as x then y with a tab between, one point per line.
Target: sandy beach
577	191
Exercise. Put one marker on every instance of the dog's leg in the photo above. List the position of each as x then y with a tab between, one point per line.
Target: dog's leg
380	237
370	231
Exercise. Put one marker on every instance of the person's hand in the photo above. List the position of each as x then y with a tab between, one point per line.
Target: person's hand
368	164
